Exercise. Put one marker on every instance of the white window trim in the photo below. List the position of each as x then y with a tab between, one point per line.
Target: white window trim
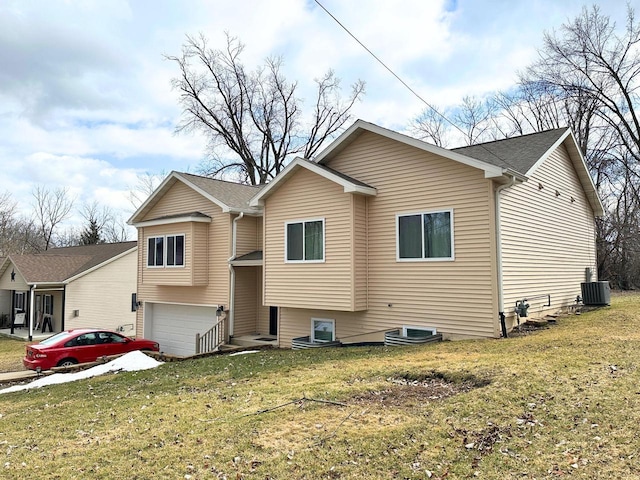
432	330
286	240
184	249
312	337
424	212
165	250
23	296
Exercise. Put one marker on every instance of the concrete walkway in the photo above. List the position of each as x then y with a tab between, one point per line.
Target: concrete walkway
17	376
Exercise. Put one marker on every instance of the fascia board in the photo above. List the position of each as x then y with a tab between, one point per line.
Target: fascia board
349	187
168	221
156	192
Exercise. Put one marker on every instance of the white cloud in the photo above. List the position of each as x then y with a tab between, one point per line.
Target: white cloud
85	94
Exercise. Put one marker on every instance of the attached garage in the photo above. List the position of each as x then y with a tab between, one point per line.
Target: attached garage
175	327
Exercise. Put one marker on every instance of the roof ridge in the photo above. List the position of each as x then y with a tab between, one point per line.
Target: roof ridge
510	138
220	180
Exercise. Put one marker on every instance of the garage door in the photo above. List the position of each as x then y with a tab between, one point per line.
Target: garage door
174	327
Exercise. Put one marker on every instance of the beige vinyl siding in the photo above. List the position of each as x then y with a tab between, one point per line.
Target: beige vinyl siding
359	248
246	311
262	310
327	284
200	253
457	297
247	235
103	296
547	240
259	233
181	199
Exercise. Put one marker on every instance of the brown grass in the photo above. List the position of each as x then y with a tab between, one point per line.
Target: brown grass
11	354
563	401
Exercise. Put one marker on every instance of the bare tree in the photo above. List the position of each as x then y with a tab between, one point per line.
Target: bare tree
146	184
593	68
432	126
253	119
51	208
473	117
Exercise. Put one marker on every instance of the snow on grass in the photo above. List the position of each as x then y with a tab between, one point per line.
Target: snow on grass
129	362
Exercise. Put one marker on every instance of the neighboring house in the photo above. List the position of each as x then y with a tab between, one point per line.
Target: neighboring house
380	232
71	287
383	231
200	245
5	304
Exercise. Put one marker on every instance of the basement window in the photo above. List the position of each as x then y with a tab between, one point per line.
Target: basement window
323	330
417	332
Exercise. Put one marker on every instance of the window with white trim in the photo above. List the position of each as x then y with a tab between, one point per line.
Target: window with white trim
165	250
175	250
47	304
425	236
323	330
19	301
304	241
417	332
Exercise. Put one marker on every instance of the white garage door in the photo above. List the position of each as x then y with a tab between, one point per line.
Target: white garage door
174	327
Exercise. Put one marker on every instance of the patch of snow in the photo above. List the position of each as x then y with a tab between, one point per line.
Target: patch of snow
130	362
243	353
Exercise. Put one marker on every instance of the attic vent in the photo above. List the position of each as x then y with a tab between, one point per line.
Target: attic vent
596	293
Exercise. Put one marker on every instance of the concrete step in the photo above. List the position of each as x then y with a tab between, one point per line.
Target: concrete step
252	341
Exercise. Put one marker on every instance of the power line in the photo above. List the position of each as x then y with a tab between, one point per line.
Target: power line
418	96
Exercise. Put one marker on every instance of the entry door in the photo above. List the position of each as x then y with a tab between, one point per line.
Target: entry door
273	320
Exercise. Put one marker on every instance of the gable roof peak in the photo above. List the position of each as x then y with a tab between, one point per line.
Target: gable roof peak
231	197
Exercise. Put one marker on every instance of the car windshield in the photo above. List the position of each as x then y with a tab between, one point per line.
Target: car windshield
56	338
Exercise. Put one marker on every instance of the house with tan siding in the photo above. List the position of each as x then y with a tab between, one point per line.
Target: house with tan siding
199	264
380	232
88	286
386	232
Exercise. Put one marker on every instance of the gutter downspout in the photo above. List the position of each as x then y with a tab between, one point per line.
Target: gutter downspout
31	305
501	314
232	293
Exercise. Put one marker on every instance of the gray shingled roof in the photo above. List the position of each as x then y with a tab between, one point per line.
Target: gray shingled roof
59	264
234	195
251	256
518	153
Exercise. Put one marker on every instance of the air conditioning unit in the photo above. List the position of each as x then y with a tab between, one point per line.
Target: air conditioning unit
596	293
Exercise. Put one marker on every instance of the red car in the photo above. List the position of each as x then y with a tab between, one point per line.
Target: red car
80	346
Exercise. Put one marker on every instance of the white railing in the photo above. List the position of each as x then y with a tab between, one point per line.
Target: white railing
211	340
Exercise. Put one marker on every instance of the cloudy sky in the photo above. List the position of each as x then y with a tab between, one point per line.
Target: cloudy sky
85	95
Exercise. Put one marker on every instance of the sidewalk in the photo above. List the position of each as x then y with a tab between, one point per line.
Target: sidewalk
17	376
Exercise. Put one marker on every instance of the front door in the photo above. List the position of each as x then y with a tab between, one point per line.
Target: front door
273	320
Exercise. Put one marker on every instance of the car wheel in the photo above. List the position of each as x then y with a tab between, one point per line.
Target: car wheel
67	362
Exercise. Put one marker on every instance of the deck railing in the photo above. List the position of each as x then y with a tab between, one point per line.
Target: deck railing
211	340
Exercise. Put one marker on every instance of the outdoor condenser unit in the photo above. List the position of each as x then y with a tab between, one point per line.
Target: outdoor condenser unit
596	293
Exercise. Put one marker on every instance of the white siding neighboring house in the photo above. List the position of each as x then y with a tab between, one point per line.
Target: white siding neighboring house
72	287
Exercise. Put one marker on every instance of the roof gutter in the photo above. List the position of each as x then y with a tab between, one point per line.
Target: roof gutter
501	314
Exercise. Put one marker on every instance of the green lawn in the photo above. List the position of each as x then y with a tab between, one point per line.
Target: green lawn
564	401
